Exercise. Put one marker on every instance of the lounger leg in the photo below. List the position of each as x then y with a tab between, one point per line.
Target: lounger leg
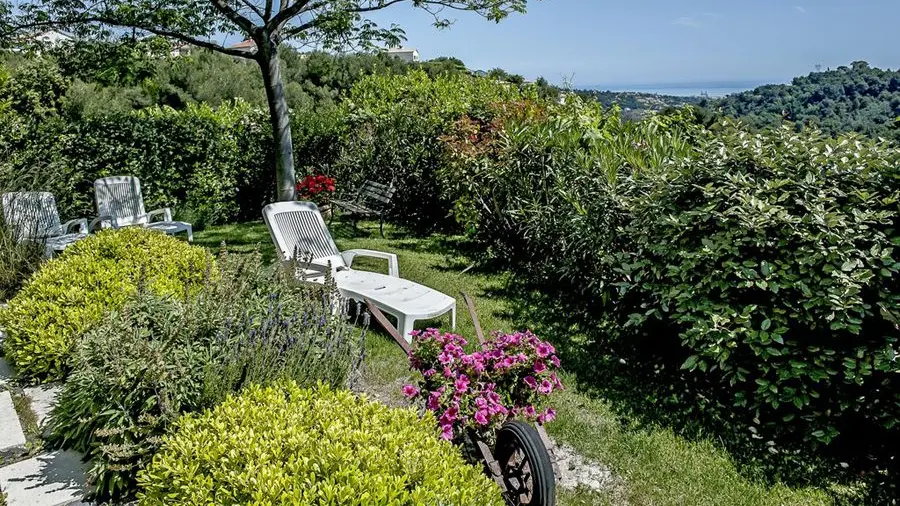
190	233
381	226
406	325
453	318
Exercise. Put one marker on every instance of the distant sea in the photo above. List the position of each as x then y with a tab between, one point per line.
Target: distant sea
696	89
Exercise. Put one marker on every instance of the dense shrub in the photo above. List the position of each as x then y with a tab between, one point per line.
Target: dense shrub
71	293
764	265
772	259
158	357
207	164
289	445
395	125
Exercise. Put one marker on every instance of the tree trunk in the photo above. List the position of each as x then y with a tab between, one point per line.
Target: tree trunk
279	116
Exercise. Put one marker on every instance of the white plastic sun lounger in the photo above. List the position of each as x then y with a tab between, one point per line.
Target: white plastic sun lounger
33	216
120	198
298	228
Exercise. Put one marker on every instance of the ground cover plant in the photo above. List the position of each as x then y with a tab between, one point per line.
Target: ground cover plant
286	444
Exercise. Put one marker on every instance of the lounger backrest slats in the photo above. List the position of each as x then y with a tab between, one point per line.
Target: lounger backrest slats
31	215
298	228
380	193
120	198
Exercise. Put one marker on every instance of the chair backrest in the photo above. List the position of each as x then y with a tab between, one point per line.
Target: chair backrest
298	227
31	215
375	195
120	198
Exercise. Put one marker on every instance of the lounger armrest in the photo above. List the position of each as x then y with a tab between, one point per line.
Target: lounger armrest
103	221
305	271
165	212
82	226
393	265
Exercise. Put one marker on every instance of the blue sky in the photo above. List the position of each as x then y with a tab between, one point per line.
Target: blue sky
617	42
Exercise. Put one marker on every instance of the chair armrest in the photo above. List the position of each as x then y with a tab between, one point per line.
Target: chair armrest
393	265
305	271
165	212
102	220
82	226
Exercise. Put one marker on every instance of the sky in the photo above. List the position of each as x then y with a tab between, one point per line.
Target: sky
651	42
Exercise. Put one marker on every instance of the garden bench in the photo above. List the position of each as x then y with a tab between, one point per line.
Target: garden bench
297	228
119	198
371	199
33	216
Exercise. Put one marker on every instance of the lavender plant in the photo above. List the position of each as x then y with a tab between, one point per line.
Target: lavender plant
297	337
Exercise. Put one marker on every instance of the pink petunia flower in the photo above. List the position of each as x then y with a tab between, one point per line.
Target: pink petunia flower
544	350
447	431
410	391
481	417
530	381
462	383
546	387
540	367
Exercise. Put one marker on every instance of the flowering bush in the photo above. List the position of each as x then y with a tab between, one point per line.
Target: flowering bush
510	377
316	188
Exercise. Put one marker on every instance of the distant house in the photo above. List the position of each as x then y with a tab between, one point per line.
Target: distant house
248	46
181	49
51	38
409	55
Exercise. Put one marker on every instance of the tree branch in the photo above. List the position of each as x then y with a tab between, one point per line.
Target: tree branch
158	31
235	16
254	8
285	14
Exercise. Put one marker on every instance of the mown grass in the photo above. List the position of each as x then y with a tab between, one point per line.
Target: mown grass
656	466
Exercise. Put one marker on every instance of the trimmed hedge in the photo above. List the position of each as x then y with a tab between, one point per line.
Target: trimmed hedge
71	293
288	445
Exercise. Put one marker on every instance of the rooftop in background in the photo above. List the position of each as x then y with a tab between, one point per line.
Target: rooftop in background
407	54
246	46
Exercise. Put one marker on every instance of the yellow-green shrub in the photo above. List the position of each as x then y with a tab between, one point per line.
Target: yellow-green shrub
289	445
72	292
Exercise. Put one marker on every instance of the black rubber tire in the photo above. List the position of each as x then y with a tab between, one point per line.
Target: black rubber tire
515	435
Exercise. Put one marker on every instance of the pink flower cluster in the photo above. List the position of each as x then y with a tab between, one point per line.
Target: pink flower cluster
510	376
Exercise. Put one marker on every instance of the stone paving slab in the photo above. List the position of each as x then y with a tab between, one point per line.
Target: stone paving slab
43	398
51	479
6	373
12	439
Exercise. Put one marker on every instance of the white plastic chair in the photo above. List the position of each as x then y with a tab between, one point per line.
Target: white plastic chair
120	198
298	228
33	216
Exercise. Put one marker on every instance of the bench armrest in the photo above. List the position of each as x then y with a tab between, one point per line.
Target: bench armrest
104	222
82	226
165	212
393	265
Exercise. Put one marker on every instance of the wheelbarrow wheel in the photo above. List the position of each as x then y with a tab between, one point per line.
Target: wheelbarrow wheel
525	466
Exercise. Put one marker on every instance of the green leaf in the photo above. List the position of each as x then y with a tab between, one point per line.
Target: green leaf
766	324
690	363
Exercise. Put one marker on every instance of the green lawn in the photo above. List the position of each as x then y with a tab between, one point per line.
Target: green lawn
656	466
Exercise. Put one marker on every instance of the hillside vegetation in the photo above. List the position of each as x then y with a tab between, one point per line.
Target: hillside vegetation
858	98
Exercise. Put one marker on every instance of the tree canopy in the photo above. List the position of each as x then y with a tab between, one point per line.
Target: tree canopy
266	24
858	98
